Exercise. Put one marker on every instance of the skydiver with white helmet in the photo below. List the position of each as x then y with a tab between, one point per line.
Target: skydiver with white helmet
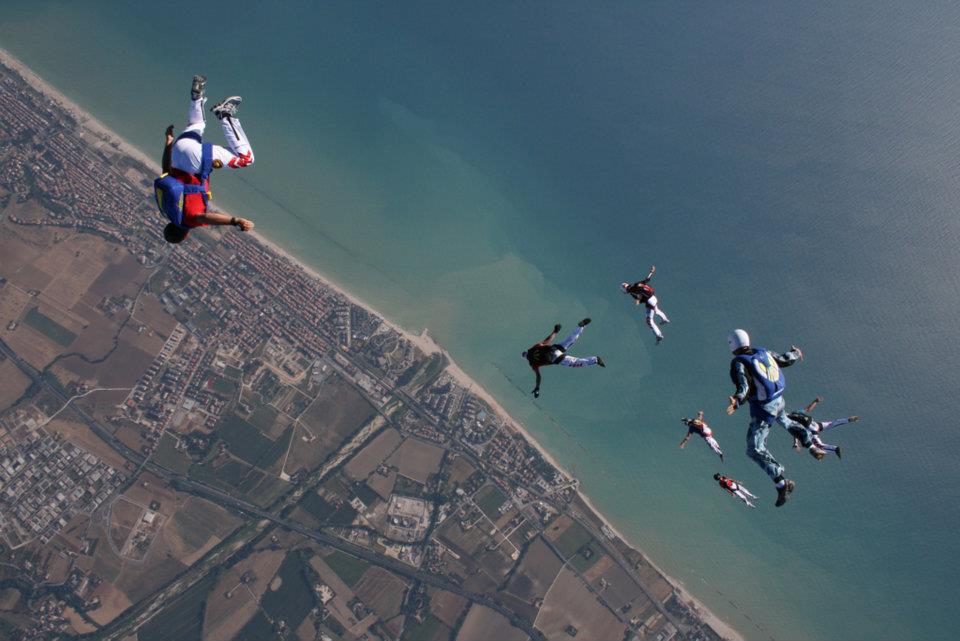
756	373
546	352
642	292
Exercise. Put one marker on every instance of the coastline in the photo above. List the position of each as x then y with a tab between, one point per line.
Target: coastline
423	340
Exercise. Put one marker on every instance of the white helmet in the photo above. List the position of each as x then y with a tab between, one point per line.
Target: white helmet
738	338
624	287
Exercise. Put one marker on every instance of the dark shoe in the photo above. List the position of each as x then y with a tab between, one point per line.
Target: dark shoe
584	322
196	89
784	492
721	458
838	453
227	107
600	362
659	340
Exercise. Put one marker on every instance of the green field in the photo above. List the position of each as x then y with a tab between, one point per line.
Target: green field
489	499
268	490
181	619
244	440
168	456
348	568
226	477
257	629
294	598
278	449
365	494
49	327
581	563
326	512
224	386
572	540
425	631
262	417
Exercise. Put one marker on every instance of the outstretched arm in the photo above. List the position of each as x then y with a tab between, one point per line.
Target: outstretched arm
549	339
653	269
683	443
536	389
813	404
213	218
790	357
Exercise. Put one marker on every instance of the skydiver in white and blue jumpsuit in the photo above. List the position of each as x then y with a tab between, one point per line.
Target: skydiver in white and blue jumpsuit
756	373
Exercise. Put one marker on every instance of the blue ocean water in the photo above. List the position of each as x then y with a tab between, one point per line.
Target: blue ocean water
486	171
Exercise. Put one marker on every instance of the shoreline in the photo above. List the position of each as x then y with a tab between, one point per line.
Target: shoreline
423	340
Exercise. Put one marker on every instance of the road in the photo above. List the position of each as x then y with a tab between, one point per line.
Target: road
185	484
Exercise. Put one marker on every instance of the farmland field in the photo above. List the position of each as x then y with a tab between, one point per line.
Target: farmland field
49	327
182	618
347	567
293	599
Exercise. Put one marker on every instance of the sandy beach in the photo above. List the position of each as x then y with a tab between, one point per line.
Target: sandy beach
101	132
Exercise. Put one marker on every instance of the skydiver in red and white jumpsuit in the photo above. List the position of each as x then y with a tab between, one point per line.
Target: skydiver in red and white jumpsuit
735	488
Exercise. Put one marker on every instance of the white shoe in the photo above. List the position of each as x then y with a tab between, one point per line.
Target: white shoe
227	107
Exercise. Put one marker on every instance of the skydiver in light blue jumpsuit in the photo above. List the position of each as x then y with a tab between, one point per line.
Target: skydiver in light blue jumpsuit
756	373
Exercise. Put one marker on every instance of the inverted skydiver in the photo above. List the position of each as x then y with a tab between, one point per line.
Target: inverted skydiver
756	373
699	426
735	488
642	292
817	427
183	191
546	352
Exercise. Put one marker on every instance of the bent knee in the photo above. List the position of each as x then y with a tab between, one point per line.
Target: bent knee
241	160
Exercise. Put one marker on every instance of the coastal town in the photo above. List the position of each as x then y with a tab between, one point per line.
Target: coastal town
235	449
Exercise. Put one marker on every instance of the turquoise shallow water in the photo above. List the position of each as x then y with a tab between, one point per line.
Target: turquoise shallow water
790	168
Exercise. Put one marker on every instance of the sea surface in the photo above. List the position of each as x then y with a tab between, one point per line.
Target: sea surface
489	169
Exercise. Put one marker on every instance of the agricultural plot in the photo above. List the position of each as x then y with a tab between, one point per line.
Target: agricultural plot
167	455
223	386
48	327
430	629
292	599
586	556
538	568
15	383
370	457
482	624
226	477
416	459
569	603
568	536
489	499
382	592
232	604
348	568
447	606
243	439
182	618
336	414
258	629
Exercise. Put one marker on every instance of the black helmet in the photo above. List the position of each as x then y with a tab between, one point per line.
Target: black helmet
174	233
716	477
